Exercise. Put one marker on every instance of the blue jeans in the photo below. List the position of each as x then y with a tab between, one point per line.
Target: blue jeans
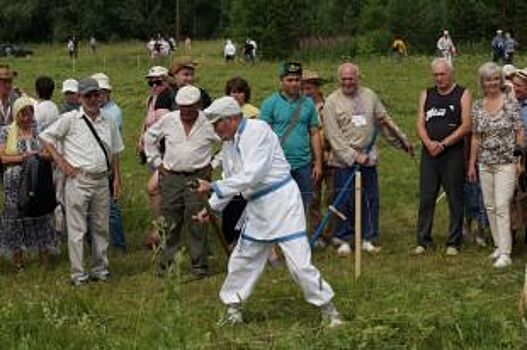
345	230
304	180
116	226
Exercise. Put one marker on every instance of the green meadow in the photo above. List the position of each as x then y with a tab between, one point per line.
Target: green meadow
399	302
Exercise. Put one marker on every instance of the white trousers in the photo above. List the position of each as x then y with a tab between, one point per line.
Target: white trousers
248	261
84	195
497	185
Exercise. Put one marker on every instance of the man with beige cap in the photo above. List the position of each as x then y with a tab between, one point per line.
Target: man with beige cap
520	89
188	139
255	166
91	146
7	94
70	92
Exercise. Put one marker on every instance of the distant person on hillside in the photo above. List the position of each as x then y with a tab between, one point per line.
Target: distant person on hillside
93	45
46	111
182	72
353	115
399	49
229	51
510	48
498	47
70	92
160	102
7	94
188	45
249	50
445	46
112	111
71	48
442	124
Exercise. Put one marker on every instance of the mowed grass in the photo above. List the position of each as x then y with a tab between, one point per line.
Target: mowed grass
400	301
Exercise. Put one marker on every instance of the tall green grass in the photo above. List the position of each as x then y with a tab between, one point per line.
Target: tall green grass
400	302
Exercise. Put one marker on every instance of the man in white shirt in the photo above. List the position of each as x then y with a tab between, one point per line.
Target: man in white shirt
188	142
87	163
229	51
255	166
46	111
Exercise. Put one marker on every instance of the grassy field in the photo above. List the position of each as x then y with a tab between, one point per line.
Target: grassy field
400	302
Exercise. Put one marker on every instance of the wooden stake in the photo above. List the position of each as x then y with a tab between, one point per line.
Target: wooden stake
358	224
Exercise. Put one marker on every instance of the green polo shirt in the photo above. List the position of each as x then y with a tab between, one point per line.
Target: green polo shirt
277	110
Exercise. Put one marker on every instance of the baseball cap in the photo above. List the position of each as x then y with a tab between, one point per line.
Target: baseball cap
188	96
70	85
157	72
88	85
221	108
103	80
290	68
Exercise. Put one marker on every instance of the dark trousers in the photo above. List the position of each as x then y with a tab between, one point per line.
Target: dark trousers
304	179
345	230
447	171
178	204
230	217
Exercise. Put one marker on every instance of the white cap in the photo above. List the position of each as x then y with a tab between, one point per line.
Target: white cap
188	95
445	32
157	72
70	85
509	70
223	107
103	80
499	31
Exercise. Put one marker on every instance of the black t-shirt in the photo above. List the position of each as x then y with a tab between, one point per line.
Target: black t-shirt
443	113
166	100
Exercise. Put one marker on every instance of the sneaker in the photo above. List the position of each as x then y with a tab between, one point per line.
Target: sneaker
232	317
452	251
100	276
495	254
344	250
419	250
80	280
330	316
480	241
504	260
319	244
369	247
336	242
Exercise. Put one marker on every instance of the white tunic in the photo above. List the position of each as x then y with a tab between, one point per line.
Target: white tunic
255	166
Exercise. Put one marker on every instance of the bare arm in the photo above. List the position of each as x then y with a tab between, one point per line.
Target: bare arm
466	124
316	145
116	172
64	166
474	147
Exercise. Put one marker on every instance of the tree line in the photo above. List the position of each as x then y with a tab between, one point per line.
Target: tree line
279	26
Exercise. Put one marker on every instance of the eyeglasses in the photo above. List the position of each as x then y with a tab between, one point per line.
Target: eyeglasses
155	83
92	94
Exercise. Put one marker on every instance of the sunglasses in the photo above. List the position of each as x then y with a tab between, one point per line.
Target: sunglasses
155	83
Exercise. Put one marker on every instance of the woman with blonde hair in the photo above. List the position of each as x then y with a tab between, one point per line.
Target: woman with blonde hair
497	131
18	232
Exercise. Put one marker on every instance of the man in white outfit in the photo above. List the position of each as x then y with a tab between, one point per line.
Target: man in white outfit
255	166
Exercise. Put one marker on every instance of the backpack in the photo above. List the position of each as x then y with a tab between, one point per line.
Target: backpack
36	194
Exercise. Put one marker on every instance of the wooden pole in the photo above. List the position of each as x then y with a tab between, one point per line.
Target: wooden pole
358	224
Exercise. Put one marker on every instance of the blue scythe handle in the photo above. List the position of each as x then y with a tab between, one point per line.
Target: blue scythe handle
342	193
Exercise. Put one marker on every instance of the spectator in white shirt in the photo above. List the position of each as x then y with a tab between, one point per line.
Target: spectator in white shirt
46	111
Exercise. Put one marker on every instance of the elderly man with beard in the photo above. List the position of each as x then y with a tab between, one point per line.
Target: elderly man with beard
255	166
